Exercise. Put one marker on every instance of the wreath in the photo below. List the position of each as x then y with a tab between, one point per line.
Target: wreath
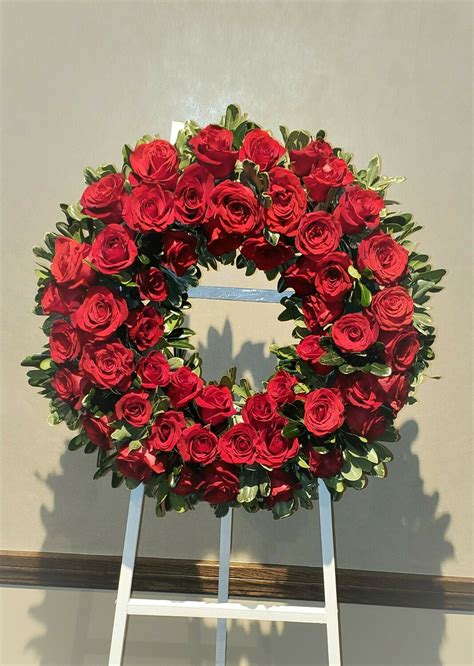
120	366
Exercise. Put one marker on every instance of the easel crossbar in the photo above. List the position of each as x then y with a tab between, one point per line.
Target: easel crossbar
229	611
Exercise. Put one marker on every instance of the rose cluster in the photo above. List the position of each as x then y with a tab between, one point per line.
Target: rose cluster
120	367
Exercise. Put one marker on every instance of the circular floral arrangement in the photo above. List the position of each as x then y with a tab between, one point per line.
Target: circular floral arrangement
120	367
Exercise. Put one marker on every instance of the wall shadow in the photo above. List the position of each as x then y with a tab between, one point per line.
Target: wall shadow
392	525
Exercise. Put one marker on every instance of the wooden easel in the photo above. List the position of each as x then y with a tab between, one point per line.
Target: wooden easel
223	609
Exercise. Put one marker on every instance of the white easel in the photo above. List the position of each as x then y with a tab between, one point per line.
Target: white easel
223	609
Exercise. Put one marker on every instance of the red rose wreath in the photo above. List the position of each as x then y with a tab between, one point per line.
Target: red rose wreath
120	367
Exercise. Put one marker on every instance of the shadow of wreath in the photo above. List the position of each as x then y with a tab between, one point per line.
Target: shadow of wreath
391	526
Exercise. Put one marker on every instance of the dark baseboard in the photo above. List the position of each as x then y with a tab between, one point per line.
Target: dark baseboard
273	581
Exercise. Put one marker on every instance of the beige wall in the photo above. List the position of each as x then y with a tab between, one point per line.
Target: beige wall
80	79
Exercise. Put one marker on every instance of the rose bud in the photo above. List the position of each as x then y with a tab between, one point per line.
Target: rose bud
198	445
103	199
357	209
155	163
113	250
354	333
68	266
184	386
261	148
135	408
323	411
215	404
213	149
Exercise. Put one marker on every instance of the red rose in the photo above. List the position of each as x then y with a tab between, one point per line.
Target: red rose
188	482
101	313
367	423
280	387
237	445
67	385
393	308
260	411
266	256
213	149
107	364
387	259
153	370
318	234
396	389
63	342
219	483
261	148
314	154
355	332
61	300
323	411
282	487
215	404
334	172
135	408
273	450
138	464
184	386
288	202
310	351
235	208
361	389
358	208
145	327
68	266
103	199
179	249
332	279
324	465
156	163
400	348
318	314
166	431
149	208
97	431
113	250
192	194
151	284
220	242
198	445
300	276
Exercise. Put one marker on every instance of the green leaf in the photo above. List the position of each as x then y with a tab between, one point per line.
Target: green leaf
292	430
350	472
331	358
121	434
380	369
247	494
373	170
77	442
434	276
365	295
383	453
353	272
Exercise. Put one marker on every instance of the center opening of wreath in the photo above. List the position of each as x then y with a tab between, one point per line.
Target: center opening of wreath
234	333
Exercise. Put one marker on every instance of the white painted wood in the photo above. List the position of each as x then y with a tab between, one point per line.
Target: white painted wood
132	533
229	610
175	127
223	587
329	574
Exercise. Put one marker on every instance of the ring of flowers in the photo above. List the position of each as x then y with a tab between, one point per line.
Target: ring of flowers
120	366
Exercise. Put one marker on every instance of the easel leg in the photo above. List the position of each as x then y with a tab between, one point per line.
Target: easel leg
223	590
132	533
329	574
